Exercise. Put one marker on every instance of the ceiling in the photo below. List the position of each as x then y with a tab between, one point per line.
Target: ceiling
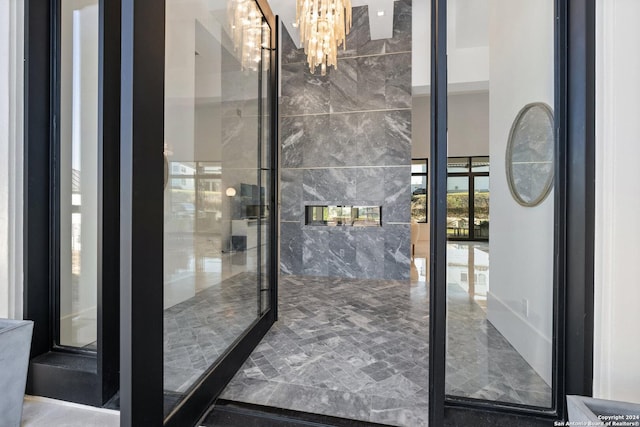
381	27
467	34
380	21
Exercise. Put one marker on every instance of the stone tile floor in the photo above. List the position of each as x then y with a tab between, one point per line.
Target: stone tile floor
200	329
359	349
349	348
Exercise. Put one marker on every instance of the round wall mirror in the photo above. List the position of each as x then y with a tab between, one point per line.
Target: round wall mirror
530	152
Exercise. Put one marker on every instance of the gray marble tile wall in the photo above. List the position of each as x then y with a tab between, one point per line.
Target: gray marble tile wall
346	140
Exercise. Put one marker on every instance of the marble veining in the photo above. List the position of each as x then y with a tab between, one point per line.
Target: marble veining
316	93
397	83
316	141
290	248
342	149
401	40
292	134
372	141
343	133
329	184
398	130
292	93
358	348
198	330
291	209
397	190
370	186
370	253
345	347
344	86
371	82
397	256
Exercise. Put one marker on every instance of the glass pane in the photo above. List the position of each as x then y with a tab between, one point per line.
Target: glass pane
419	198
499	331
365	216
78	173
455	164
481	207
480	164
353	216
265	78
215	219
265	241
458	206
265	179
419	166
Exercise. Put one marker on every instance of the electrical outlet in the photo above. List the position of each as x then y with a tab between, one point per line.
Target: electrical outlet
341	252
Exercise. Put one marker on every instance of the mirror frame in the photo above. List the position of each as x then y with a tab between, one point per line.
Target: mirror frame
508	158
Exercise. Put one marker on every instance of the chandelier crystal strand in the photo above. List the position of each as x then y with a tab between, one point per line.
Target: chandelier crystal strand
324	26
246	32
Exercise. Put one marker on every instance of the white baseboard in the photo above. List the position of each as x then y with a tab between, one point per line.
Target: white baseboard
531	343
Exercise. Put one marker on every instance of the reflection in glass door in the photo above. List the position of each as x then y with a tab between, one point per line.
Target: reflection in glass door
79	157
218	197
458	207
468	197
480	207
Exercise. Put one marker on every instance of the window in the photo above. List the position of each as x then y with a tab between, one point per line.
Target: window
468	198
78	175
419	171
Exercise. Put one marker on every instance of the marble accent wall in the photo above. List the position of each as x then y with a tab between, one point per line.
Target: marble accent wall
346	140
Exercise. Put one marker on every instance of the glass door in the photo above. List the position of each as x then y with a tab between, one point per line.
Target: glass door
505	314
219	188
458	214
198	201
499	340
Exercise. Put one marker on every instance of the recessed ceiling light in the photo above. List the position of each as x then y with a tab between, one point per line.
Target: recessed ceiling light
381	13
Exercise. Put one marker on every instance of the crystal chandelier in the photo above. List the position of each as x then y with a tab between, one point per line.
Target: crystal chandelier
246	31
324	25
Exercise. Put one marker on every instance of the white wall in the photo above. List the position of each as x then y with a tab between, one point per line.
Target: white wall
189	82
617	293
521	244
421	49
467	44
11	87
468	125
420	126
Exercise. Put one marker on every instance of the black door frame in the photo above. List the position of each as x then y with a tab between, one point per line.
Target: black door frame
141	230
55	371
574	225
